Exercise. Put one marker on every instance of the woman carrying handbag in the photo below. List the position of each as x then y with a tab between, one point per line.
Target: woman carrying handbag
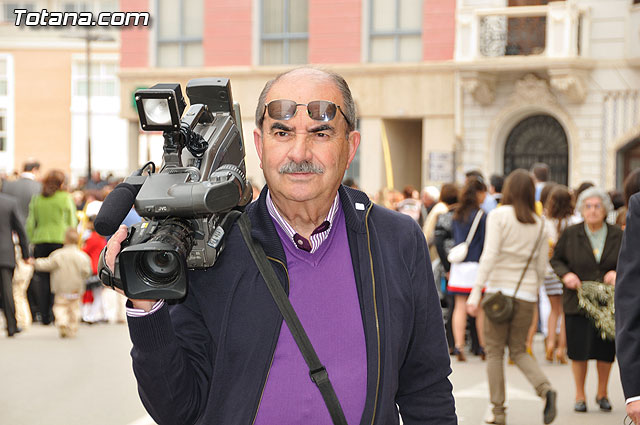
513	264
468	226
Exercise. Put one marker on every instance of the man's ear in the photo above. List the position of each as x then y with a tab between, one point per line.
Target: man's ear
257	140
353	142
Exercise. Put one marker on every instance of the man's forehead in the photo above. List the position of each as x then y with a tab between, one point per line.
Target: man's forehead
304	87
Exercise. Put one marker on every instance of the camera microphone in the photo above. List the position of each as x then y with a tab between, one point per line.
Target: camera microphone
115	208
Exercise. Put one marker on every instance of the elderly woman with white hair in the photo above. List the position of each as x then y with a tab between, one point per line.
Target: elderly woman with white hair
588	252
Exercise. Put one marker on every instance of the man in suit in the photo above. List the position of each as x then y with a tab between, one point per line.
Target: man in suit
627	303
24	188
9	209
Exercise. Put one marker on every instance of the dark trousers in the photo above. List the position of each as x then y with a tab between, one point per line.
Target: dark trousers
42	285
447	322
8	306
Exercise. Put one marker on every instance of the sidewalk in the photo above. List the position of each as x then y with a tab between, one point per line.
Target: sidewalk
523	406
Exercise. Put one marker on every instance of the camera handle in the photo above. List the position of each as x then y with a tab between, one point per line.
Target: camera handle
317	371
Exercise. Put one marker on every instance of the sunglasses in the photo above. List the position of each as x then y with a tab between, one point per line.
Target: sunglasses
319	110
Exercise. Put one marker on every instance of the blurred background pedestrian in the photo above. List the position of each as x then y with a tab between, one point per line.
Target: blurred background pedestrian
51	213
10	223
462	275
559	215
588	252
513	262
69	268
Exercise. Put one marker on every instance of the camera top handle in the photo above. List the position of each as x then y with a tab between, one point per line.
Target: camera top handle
185	137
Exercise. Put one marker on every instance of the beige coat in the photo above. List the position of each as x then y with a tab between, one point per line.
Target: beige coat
69	267
507	246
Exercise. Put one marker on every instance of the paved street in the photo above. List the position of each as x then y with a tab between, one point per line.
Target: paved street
88	381
524	407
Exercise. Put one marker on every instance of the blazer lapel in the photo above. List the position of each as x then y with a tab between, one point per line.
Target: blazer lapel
608	244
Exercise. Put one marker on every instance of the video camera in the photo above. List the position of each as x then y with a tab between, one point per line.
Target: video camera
187	203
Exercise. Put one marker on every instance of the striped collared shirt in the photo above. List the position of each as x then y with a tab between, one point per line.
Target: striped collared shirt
318	236
138	312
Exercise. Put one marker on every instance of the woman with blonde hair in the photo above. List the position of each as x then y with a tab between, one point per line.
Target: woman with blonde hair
513	262
51	213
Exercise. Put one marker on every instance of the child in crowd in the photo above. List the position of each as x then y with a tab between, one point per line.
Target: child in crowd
95	311
69	268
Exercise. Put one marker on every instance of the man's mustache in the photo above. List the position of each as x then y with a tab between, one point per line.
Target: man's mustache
301	167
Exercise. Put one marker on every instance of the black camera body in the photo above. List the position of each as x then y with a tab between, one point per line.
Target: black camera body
187	203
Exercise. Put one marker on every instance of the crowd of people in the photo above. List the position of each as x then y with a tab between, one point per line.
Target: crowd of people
582	233
518	242
50	252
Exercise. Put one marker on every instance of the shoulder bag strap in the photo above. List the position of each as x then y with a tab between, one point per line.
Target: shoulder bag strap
535	247
474	227
317	371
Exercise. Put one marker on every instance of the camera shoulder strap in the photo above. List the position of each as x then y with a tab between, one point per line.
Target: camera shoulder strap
317	371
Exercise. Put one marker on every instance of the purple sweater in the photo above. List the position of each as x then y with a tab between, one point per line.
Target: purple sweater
323	294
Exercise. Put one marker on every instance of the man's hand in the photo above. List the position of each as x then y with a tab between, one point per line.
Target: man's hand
114	246
113	249
633	411
571	281
610	278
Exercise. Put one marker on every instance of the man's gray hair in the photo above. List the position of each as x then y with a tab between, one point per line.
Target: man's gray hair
594	192
349	107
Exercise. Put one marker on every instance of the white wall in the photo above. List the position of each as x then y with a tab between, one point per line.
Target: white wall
608	27
109	151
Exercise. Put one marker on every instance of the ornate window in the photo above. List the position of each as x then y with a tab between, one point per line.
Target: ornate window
505	36
539	138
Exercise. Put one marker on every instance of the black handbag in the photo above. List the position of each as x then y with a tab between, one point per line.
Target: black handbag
499	307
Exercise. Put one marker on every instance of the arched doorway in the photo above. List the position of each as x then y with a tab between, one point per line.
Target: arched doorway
538	138
628	159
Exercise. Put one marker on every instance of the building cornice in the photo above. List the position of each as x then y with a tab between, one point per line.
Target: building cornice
530	63
269	71
492	65
57	44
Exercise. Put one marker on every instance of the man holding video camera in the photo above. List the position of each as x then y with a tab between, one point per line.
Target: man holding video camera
357	275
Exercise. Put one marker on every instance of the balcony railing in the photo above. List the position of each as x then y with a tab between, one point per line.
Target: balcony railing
556	30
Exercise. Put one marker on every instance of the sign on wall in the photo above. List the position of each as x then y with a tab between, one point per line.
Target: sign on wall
441	166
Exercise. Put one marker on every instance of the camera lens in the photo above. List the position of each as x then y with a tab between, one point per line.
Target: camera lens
159	268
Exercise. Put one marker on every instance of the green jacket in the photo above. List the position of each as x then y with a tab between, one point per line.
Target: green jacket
49	218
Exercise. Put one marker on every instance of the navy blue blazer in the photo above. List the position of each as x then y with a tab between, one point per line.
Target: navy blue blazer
627	302
206	359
